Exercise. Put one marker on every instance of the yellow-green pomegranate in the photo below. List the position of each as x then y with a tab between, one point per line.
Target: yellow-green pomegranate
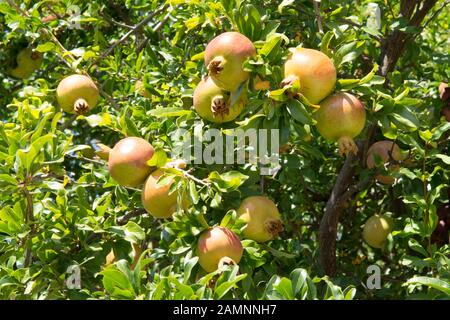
28	60
376	230
314	70
262	218
215	104
77	94
127	161
217	246
156	199
224	57
341	117
382	150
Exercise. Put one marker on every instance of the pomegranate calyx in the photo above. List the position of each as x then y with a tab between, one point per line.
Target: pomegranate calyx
347	145
219	106
216	65
274	226
81	106
226	261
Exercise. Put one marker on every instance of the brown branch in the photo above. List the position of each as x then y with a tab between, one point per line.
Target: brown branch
126	217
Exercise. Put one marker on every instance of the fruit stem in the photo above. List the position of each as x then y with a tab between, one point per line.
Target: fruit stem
80	106
347	145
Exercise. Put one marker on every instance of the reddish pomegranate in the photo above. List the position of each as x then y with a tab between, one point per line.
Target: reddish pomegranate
262	218
128	161
28	60
77	94
215	104
341	117
383	150
440	235
157	200
376	230
224	57
314	70
218	246
140	88
446	113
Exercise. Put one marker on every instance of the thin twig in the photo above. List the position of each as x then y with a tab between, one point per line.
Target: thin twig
29	219
318	16
126	217
126	36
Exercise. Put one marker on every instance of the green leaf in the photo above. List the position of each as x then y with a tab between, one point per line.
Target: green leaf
298	111
437	284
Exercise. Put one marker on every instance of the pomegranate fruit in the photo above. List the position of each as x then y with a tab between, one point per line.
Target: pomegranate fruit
218	246
444	91
140	88
262	218
127	161
77	94
384	150
314	70
156	199
215	104
28	61
446	113
224	57
440	235
376	230
102	151
341	117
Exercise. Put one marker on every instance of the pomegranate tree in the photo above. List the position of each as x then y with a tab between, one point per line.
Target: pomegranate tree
28	60
341	117
157	200
127	161
216	105
380	153
262	218
376	230
218	246
224	57
77	94
315	72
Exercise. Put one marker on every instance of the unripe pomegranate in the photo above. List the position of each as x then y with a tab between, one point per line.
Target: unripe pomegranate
140	88
103	151
214	104
77	94
384	150
224	57
262	218
28	61
218	246
341	117
376	230
157	200
314	70
128	161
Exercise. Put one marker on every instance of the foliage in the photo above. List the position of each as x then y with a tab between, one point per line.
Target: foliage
59	207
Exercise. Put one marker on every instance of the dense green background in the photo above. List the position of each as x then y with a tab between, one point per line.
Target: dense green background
59	206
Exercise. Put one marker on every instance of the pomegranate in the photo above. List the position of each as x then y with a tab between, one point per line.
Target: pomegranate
214	104
384	150
446	113
376	230
444	91
28	61
128	161
157	200
139	87
341	117
224	57
440	235
218	246
102	151
262	218
314	70
77	94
